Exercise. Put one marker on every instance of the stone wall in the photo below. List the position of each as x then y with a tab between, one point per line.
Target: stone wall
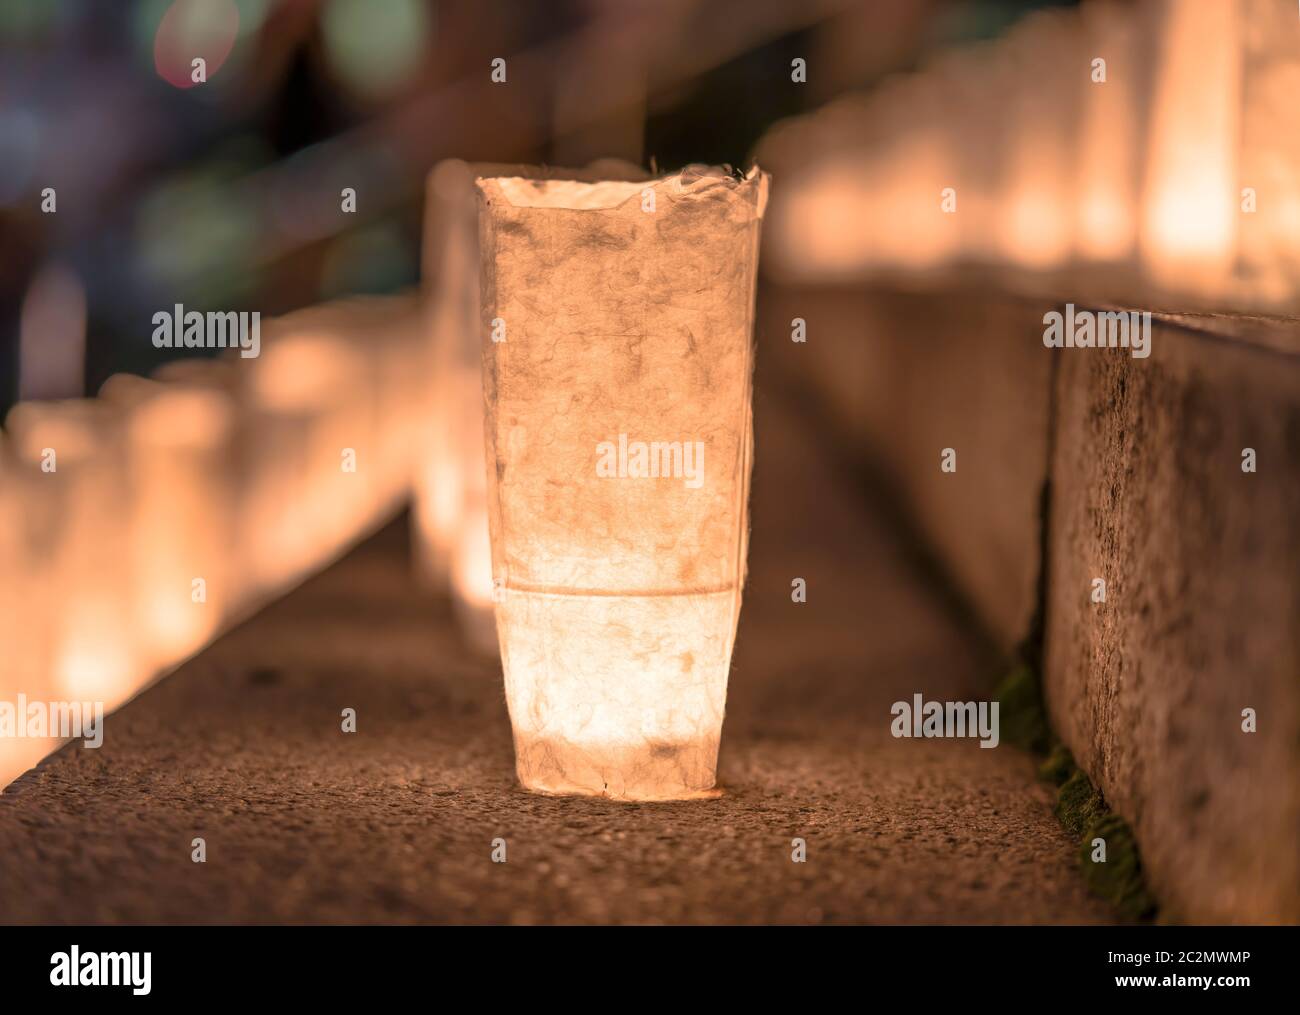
912	373
1202	612
1201	560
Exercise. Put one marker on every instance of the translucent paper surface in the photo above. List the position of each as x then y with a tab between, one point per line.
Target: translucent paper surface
610	327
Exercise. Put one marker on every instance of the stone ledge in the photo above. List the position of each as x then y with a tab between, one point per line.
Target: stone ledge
1202	610
394	824
1202	560
907	374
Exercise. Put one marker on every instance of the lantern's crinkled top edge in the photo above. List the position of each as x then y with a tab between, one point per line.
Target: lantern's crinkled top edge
606	195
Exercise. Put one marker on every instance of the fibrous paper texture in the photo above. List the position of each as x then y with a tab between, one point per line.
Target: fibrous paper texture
450	505
617	351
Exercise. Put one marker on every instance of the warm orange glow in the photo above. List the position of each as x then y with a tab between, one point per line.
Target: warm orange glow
1189	227
872	198
1109	139
71	456
619	592
178	446
1036	219
24	578
452	452
310	410
1270	154
450	511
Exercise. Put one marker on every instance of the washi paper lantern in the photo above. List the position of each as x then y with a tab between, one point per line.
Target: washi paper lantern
449	511
77	511
863	186
1109	145
22	679
334	407
972	83
1043	61
226	379
1188	237
618	354
298	508
179	464
391	395
1269	172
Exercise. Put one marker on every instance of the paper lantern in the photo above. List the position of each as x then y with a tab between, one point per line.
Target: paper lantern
452	448
449	512
76	502
973	86
1188	239
1044	65
179	464
226	380
863	186
617	345
307	497
1110	137
388	333
1270	155
21	674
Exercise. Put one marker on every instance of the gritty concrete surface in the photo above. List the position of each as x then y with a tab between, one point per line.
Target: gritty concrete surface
395	823
1202	611
912	373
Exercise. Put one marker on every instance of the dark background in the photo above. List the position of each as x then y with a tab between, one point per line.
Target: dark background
225	195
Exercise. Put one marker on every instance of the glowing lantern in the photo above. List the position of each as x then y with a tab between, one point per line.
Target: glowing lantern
1188	238
972	84
864	186
387	332
307	410
75	499
449	513
1035	224
224	380
179	464
912	230
21	672
1270	154
1108	175
617	345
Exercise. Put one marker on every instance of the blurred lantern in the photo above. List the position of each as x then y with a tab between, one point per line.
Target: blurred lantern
617	372
449	515
224	379
22	677
389	332
911	175
973	88
77	510
874	199
1043	61
378	342
870	184
311	430
1188	238
179	465
1270	155
1109	141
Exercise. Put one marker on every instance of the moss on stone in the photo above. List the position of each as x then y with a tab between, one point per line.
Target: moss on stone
1021	717
1119	880
1078	804
1080	808
1059	765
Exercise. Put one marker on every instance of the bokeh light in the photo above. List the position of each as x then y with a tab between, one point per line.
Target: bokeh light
194	29
375	47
